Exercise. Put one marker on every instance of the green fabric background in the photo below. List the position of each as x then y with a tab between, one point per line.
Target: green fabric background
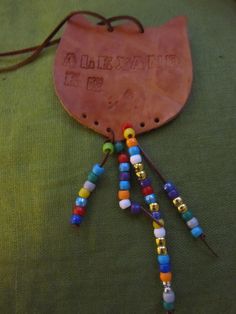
109	265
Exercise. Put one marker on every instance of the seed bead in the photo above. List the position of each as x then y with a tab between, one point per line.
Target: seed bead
166	276
154	207
160	241
84	193
129	133
125	204
141	175
182	208
161	250
138	167
131	142
178	201
108	148
124	194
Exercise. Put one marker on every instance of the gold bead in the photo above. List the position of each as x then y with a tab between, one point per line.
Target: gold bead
182	208
178	201
160	241
141	175
138	167
154	207
161	250
156	225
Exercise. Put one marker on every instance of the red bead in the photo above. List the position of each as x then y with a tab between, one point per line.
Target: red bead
77	210
126	126
123	158
147	190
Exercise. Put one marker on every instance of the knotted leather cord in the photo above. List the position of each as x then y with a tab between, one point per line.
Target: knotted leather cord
49	42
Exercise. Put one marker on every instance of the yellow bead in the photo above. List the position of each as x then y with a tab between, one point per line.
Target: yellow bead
141	175
129	133
84	193
178	201
161	250
161	241
154	207
182	208
138	167
156	225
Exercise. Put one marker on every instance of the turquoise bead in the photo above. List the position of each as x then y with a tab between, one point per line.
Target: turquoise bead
119	147
92	177
163	259
187	215
168	306
197	231
98	170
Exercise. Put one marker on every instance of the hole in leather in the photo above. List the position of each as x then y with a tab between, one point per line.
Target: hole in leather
84	115
96	122
142	124
156	120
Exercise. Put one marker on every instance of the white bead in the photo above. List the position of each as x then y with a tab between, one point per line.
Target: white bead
124	204
169	296
89	186
192	223
160	232
136	159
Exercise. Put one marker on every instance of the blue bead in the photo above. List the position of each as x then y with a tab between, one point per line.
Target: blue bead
134	150
144	183
124	166
124	185
151	198
76	219
81	201
157	215
165	268
163	259
169	186
173	194
98	170
119	147
135	208
197	231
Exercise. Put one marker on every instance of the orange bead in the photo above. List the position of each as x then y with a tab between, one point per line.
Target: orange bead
132	142
165	277
123	195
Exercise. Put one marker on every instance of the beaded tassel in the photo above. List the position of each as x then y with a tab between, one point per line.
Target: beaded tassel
186	214
173	194
89	186
79	209
159	230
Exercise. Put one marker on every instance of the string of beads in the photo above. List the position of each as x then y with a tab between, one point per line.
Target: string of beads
159	231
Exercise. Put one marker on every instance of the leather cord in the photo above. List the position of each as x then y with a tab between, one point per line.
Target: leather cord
48	42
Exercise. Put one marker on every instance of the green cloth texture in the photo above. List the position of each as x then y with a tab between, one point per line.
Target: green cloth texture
109	264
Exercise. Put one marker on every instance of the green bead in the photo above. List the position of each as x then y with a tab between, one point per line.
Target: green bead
187	215
108	148
92	177
168	306
119	147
